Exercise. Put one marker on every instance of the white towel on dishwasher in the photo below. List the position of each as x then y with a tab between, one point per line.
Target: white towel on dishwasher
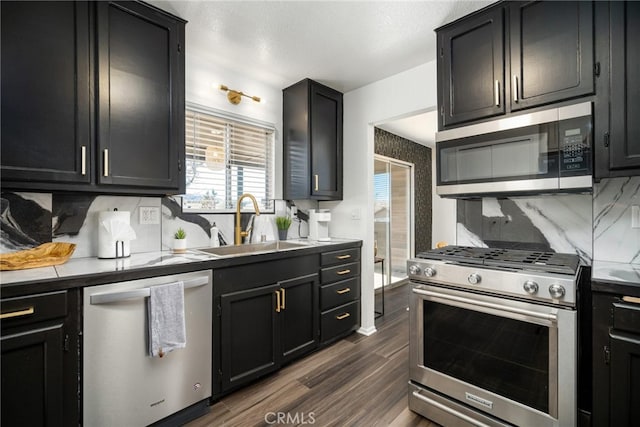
167	330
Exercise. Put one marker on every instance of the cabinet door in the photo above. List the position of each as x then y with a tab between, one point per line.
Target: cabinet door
471	68
625	379
625	87
326	143
551	51
299	316
46	125
32	377
249	336
141	97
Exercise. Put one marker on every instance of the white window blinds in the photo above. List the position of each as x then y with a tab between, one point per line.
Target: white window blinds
224	159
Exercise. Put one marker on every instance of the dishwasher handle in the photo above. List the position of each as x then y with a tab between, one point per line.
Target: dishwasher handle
110	297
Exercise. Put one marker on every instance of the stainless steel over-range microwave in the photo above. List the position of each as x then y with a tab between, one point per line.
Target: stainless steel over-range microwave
540	152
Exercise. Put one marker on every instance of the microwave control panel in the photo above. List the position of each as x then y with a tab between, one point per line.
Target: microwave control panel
575	146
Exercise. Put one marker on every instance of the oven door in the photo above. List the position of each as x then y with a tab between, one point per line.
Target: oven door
510	359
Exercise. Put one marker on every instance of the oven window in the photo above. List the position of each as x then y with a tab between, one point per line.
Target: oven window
505	356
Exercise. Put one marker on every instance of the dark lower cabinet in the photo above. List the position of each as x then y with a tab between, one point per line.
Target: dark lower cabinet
268	316
249	339
265	327
616	360
617	138
39	360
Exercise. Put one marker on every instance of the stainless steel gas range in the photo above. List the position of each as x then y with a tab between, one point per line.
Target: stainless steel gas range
493	336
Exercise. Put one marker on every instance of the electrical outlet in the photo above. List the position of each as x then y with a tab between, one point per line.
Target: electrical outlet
355	214
635	216
149	215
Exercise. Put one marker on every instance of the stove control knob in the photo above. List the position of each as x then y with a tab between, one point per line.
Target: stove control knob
556	291
414	270
429	272
531	287
474	278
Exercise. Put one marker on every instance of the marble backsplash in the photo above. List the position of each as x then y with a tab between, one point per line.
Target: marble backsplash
613	238
30	219
554	223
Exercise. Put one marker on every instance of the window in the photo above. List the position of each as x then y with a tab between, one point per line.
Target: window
225	158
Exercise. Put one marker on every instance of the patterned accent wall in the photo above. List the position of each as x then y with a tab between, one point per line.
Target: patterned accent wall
396	147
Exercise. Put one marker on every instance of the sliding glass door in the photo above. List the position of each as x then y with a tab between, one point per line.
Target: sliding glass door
393	186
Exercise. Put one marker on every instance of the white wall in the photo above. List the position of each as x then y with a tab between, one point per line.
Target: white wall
202	80
411	91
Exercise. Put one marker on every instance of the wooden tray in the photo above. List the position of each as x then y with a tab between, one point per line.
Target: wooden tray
45	255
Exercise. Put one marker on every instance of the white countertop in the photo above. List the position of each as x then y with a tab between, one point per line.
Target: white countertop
609	271
92	265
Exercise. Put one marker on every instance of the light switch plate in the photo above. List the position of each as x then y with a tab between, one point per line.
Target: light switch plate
635	216
149	215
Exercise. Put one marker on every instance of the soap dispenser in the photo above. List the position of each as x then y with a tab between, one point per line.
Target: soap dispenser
214	240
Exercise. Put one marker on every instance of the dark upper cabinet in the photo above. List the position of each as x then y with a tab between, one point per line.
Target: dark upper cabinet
140	96
512	56
551	51
312	142
617	138
471	68
63	129
46	81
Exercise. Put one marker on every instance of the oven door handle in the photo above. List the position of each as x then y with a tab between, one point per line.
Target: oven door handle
544	316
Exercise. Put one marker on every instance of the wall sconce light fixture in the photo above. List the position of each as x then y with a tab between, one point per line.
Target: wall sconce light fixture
235	96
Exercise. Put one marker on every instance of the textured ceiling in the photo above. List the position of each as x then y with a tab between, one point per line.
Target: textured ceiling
343	44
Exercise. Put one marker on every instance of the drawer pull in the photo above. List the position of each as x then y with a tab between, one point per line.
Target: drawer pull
317	187
633	300
343	257
341	272
343	291
282	290
343	316
19	313
277	301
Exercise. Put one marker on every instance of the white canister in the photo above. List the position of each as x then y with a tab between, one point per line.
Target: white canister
114	234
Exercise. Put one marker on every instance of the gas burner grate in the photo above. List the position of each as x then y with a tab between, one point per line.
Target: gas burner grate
513	258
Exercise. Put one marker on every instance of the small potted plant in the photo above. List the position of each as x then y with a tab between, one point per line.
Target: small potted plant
283	223
180	241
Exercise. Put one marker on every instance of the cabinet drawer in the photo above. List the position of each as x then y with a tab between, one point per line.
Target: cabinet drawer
339	293
35	308
626	316
339	272
339	321
339	257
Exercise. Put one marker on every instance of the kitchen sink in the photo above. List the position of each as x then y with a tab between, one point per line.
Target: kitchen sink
254	248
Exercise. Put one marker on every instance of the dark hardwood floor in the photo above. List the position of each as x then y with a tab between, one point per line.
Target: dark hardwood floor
358	381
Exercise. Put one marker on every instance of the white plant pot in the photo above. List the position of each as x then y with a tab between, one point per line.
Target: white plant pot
179	246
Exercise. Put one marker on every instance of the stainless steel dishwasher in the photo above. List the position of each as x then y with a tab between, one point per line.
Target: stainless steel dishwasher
122	384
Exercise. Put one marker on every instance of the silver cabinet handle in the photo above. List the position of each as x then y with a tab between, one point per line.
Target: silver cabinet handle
84	160
109	297
515	88
106	161
316	186
497	91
